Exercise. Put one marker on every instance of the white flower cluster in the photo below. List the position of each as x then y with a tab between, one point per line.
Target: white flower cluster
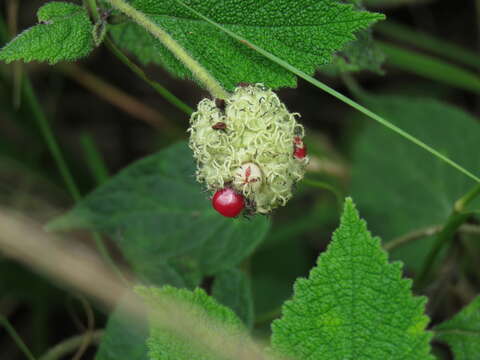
246	142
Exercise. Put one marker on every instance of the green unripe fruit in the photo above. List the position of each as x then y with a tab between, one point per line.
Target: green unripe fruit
247	144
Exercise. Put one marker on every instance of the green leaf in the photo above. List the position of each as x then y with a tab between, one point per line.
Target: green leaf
401	188
232	288
165	345
354	304
125	337
305	33
164	223
360	54
64	32
462	332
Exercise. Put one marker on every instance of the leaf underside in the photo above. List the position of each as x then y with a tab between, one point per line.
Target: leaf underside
354	304
305	33
64	33
400	187
164	223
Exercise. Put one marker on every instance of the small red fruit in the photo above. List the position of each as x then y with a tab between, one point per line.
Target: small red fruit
299	148
228	202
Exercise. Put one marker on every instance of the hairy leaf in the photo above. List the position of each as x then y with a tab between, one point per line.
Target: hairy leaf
164	223
163	344
401	188
125	337
462	332
306	33
232	288
354	304
360	54
64	32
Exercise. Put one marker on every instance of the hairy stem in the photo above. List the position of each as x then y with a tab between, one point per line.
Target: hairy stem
198	71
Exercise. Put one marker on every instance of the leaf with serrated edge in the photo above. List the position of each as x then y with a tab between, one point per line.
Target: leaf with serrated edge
163	344
64	32
354	304
305	33
163	221
462	332
360	54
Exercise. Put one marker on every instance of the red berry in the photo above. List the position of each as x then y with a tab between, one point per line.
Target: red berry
228	202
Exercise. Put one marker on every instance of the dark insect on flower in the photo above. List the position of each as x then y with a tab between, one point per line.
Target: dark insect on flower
220	103
219	126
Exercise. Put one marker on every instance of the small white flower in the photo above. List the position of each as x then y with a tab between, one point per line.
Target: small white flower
248	144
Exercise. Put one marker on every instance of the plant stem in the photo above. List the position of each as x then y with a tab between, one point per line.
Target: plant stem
11	330
412	236
62	166
198	71
92	5
337	95
94	159
118	98
328	187
430	67
446	235
49	138
70	345
141	74
427	42
463	202
425	232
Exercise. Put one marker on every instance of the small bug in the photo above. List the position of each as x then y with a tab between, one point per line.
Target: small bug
219	126
220	103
